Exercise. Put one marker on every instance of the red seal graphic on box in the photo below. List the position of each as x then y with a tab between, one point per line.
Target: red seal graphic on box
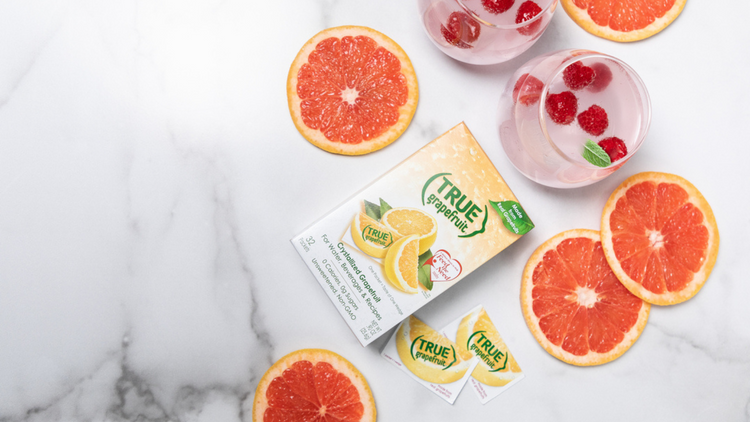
444	268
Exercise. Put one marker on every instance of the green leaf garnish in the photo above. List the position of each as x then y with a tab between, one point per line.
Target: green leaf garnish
595	155
384	207
424	270
424	277
372	210
424	257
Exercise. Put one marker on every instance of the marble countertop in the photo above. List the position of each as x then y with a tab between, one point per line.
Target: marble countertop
151	179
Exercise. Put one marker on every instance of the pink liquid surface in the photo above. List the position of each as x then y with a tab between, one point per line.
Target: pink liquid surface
551	153
499	39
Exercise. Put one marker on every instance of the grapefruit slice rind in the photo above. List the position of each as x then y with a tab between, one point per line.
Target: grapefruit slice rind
574	305
334	389
357	106
623	20
660	237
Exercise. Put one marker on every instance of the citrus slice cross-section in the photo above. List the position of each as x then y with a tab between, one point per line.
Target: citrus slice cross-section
351	90
313	385
371	237
428	354
402	262
623	20
660	237
406	221
574	305
478	336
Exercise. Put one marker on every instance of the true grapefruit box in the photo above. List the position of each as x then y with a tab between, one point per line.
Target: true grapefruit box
412	234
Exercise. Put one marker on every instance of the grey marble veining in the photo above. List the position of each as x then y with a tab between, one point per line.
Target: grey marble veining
151	178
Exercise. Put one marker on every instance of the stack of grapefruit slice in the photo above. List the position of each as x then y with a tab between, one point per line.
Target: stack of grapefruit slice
586	295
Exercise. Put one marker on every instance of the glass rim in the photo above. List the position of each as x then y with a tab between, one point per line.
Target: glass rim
514	26
644	97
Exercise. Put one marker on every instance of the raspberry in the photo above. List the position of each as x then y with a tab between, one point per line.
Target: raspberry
497	6
602	79
593	120
614	147
577	76
530	89
461	30
527	11
562	107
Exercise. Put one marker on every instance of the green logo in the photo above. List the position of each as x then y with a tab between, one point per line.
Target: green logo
428	351
491	354
377	237
453	205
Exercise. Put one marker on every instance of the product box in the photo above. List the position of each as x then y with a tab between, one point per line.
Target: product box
412	234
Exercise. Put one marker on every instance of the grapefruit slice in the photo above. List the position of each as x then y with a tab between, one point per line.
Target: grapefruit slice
660	237
574	305
428	354
351	90
623	20
313	385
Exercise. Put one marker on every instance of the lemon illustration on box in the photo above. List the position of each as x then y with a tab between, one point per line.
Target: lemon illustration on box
428	354
402	236
413	221
477	336
412	234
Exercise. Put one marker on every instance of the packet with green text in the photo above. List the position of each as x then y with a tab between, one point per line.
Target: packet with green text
476	336
429	358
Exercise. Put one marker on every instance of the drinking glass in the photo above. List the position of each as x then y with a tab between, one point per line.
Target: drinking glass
484	31
551	148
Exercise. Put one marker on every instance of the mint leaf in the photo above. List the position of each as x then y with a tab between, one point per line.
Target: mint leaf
595	155
372	210
384	207
424	270
514	216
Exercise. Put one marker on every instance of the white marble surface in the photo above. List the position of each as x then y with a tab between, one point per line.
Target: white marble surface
151	178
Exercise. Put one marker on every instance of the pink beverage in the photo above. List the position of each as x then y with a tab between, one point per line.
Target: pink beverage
485	31
572	117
